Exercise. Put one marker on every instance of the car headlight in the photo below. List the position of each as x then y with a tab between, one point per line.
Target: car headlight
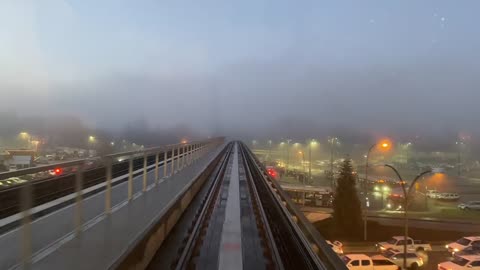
382	248
455	250
446	246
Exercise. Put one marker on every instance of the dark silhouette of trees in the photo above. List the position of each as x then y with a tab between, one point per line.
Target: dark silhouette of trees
347	212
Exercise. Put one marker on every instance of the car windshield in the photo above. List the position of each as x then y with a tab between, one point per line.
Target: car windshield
389	253
401	255
460	261
463	241
392	241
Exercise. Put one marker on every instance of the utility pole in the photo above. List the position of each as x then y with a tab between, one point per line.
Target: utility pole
288	155
269	151
459	159
310	161
332	177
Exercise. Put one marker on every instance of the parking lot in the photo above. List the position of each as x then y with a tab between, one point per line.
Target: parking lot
431	259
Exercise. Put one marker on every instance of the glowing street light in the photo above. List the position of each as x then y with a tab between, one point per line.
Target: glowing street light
91	139
112	143
24	135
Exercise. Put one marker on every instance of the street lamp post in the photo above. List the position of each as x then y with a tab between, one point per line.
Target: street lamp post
364	186
26	137
406	194
269	150
311	143
459	160
288	156
407	149
332	140
91	141
303	163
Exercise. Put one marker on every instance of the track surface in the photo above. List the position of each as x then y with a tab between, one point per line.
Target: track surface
239	224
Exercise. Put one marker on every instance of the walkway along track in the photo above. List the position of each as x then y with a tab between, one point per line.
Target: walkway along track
55	187
93	172
244	206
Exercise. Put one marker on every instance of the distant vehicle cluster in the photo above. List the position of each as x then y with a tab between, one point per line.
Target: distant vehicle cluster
445	196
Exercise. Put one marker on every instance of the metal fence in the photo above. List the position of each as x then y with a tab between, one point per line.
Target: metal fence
181	155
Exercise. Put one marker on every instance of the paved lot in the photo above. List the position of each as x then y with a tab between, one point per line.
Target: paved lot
431	259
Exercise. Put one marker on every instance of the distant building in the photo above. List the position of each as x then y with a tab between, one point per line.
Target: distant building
20	159
4	161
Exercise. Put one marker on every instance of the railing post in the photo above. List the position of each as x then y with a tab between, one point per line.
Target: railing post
165	158
145	157
197	151
108	191
130	178
178	158
189	156
194	152
156	167
26	204
184	155
78	199
173	161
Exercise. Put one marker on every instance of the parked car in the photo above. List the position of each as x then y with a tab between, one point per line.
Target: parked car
413	260
472	205
463	243
471	250
397	243
461	263
337	246
363	262
432	194
448	197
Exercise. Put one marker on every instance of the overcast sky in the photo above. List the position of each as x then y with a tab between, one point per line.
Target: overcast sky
247	66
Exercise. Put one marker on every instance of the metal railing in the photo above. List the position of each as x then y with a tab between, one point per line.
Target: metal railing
181	156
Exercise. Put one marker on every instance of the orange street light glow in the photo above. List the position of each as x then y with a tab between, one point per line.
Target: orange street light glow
384	145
